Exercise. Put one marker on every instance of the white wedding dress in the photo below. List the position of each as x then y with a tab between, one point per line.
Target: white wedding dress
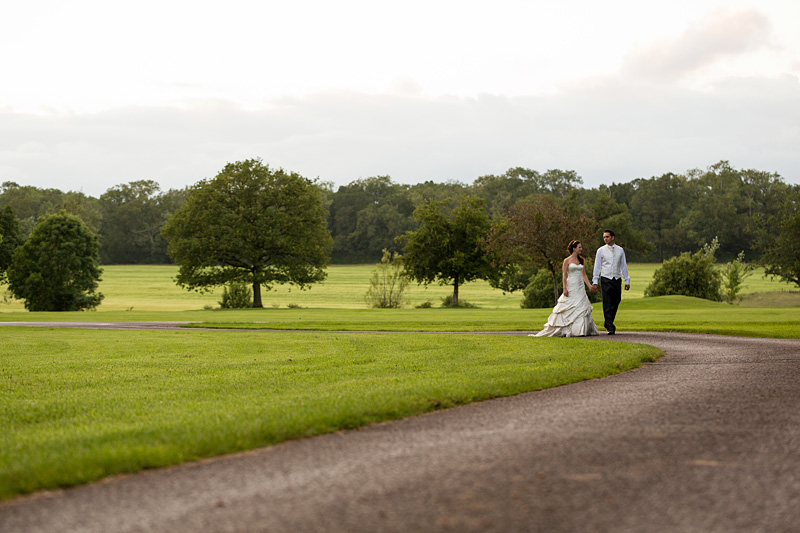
572	315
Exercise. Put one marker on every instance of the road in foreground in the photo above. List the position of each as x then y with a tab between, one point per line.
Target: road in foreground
706	439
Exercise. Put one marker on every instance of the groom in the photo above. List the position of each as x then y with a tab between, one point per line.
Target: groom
611	267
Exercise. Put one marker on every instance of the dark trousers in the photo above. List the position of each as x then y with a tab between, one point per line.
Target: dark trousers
612	294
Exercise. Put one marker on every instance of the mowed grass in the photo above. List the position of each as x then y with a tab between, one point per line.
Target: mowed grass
148	293
80	405
664	313
151	288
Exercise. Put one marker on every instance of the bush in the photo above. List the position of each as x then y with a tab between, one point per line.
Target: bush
539	292
688	275
388	283
513	278
425	305
734	275
236	295
447	301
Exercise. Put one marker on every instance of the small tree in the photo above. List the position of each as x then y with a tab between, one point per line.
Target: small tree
537	234
689	275
56	269
449	245
734	275
388	283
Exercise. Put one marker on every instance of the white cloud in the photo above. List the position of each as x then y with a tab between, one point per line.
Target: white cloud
723	33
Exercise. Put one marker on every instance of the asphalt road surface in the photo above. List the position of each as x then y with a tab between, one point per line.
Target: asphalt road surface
705	439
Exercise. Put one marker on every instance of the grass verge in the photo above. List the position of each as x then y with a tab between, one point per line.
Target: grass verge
79	405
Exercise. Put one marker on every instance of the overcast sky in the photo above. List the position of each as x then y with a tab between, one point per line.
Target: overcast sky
99	93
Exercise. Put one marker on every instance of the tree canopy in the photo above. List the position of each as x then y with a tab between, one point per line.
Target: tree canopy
133	215
56	269
659	217
250	224
783	255
9	239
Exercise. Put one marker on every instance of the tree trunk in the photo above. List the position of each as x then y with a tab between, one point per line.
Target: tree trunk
257	294
455	292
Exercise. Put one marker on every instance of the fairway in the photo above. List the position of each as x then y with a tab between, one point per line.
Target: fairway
151	288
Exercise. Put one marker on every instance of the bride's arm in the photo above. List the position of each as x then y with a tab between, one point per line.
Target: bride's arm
564	272
586	279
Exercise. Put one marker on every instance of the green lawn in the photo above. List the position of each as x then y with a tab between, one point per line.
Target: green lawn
79	405
151	288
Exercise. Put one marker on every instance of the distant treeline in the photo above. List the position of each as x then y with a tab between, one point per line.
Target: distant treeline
654	218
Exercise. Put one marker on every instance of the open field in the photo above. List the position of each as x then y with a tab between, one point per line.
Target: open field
151	288
80	405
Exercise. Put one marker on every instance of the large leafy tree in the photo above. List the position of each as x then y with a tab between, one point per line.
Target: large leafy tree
250	224
449	245
57	269
782	257
537	234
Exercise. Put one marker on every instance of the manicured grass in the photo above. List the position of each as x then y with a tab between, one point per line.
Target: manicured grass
79	405
694	315
152	288
663	313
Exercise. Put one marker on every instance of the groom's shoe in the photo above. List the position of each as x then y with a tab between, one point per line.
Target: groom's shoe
611	331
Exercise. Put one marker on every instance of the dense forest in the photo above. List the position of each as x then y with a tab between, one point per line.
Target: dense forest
655	218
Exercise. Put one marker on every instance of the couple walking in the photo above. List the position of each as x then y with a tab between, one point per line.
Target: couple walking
572	315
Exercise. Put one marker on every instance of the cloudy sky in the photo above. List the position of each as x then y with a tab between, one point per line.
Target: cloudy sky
98	93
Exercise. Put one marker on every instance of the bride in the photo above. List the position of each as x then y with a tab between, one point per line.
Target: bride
572	315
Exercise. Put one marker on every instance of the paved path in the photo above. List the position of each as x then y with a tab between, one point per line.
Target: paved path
706	439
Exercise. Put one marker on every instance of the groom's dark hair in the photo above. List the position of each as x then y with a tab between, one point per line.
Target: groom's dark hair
609	232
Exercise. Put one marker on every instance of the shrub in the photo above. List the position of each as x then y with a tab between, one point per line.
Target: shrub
513	278
689	274
236	295
539	292
734	275
447	301
388	283
425	305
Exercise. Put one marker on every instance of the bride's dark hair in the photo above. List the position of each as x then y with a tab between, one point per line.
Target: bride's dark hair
571	247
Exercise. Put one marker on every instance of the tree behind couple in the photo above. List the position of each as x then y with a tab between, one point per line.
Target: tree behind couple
572	315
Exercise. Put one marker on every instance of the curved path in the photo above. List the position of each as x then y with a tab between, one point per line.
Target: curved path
705	439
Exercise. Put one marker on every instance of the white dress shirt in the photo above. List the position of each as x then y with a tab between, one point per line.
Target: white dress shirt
610	263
